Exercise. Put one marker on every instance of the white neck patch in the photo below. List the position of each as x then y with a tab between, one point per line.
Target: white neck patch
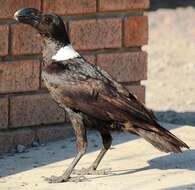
65	53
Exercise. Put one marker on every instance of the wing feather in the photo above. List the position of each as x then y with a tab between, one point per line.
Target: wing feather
87	88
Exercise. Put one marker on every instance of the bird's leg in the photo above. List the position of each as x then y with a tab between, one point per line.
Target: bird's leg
107	140
81	140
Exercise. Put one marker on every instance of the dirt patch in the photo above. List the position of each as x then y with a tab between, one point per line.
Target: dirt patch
171	65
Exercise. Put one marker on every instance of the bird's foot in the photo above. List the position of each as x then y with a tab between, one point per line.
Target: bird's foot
61	179
56	179
91	171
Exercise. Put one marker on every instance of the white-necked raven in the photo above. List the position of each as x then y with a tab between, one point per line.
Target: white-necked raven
90	96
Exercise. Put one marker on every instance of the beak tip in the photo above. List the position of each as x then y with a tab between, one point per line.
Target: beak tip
26	15
16	15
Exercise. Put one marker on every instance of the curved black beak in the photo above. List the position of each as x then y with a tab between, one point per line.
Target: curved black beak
28	16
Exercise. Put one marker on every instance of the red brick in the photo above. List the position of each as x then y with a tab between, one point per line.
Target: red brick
90	58
29	110
124	67
67	7
9	139
9	7
3	113
139	91
25	40
4	33
19	76
23	136
123	5
96	34
6	140
136	31
51	133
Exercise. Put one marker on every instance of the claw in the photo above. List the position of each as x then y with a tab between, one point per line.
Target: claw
61	179
77	179
55	179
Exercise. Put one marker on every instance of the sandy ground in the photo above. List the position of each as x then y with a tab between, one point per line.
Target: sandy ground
135	165
171	65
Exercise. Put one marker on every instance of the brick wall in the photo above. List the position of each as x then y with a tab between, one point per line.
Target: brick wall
108	33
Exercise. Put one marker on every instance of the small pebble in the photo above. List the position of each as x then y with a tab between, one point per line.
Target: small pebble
24	184
20	148
35	144
63	146
24	157
95	145
73	139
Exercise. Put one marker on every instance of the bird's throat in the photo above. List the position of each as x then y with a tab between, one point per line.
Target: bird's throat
65	53
50	48
54	51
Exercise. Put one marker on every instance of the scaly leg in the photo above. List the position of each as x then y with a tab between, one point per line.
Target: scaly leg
81	140
107	140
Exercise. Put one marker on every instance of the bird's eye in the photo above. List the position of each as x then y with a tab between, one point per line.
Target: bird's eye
48	20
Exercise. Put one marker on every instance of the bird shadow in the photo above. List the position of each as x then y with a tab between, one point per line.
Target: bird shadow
182	187
180	118
185	160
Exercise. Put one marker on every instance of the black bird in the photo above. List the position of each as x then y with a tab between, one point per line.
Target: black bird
90	96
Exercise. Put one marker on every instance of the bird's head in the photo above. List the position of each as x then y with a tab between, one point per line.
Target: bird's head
48	25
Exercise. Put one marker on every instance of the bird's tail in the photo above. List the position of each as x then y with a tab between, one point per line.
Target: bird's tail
159	137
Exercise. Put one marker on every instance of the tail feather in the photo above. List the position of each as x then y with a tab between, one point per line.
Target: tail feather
160	138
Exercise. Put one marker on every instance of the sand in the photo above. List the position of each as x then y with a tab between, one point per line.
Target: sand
135	165
171	65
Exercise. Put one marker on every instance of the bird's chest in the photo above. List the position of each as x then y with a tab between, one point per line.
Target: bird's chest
57	88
